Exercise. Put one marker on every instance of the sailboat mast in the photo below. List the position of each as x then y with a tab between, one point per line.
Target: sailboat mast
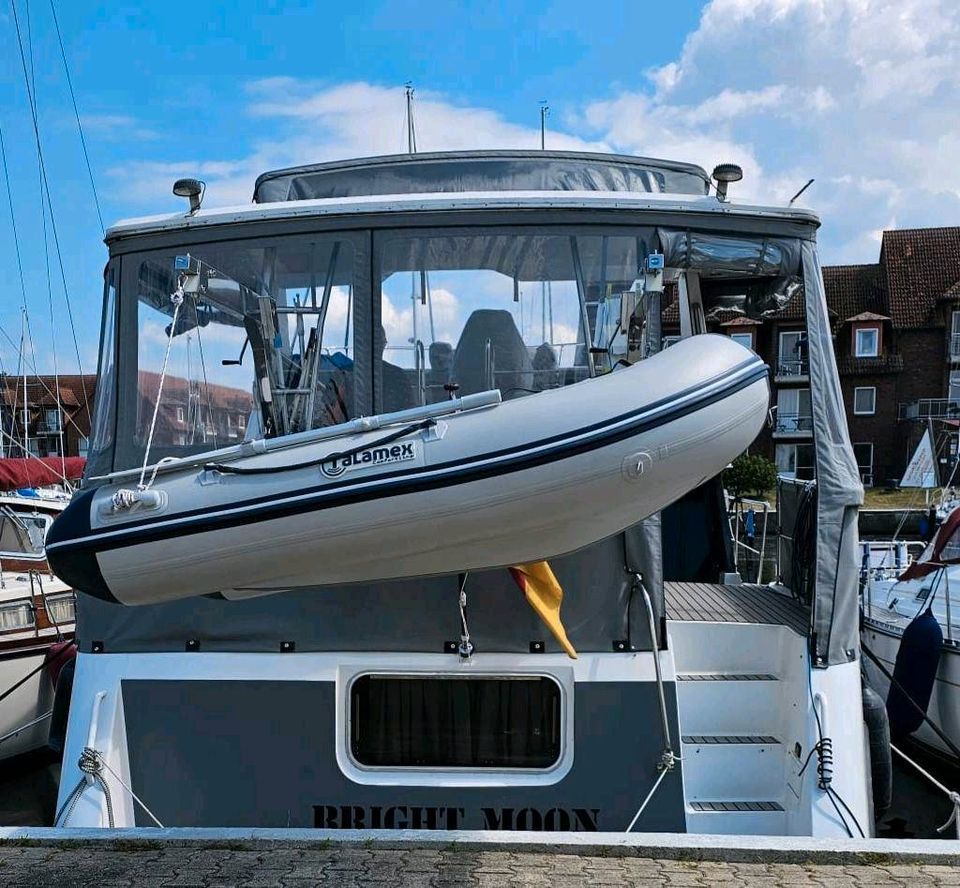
23	365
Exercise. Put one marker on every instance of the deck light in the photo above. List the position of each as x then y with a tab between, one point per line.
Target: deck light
724	174
192	189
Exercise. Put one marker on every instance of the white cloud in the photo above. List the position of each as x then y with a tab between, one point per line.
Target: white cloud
859	94
117	127
310	123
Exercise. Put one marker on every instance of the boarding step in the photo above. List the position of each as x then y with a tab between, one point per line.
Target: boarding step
732	766
737	817
731	648
730	702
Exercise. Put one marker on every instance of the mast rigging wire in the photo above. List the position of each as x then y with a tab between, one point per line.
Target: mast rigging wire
76	113
45	193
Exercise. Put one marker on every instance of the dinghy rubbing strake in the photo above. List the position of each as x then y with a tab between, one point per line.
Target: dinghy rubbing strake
78	568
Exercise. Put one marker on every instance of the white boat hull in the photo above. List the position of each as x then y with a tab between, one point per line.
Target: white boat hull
525	480
19	729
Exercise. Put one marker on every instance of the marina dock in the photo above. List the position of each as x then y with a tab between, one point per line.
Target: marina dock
301	858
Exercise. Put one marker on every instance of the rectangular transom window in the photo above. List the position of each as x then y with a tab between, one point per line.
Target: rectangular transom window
418	721
865	401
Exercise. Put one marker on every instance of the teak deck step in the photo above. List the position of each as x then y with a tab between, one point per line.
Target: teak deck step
726	676
735	807
733	739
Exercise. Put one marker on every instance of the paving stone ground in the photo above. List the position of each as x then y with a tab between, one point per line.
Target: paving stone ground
185	866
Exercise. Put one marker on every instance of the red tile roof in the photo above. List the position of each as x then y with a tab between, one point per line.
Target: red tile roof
920	264
866	316
855	289
741	321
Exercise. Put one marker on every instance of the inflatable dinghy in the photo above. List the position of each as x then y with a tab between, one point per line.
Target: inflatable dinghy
446	488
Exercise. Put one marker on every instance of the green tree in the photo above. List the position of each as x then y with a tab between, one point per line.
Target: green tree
750	475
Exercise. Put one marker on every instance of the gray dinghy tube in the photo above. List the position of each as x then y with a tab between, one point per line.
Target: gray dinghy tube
531	478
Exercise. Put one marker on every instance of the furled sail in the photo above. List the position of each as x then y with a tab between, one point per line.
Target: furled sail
36	471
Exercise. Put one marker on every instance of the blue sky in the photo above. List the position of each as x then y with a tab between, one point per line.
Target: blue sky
858	93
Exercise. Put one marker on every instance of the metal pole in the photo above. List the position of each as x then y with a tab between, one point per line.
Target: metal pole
667	760
544	111
946	580
763	539
411	130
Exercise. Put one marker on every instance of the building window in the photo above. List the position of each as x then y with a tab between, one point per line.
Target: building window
180	414
794	413
83	446
745	339
51	419
864	456
422	721
865	401
241	422
867	343
795	461
792	357
954	393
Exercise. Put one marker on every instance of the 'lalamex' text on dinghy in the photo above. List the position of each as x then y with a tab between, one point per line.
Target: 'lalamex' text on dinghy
461	485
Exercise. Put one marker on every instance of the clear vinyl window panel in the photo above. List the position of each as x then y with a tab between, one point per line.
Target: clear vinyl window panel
100	454
450	722
262	345
513	311
22	535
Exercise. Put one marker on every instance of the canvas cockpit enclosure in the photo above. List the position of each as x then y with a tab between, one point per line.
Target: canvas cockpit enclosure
477	171
384	303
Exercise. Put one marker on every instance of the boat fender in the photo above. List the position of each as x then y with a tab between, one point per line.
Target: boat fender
61	707
58	655
915	671
881	756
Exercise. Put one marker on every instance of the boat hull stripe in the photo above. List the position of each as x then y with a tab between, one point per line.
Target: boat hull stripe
474	468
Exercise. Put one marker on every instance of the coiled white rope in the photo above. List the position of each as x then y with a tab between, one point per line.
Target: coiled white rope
92	764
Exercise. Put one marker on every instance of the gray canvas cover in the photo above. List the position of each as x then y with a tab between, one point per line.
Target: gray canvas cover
839	491
600	608
480	171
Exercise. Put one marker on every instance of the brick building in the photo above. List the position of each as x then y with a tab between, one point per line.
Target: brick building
896	329
55	425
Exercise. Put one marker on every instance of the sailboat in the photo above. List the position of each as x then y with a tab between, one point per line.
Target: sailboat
37	610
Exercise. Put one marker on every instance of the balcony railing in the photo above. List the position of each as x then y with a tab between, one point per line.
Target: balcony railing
42	427
792	367
930	408
793	423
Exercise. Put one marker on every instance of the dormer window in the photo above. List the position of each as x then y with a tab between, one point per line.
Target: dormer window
867	342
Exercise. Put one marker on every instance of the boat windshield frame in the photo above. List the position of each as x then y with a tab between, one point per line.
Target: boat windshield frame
365	233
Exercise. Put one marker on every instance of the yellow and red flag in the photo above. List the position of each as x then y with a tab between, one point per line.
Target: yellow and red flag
545	595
